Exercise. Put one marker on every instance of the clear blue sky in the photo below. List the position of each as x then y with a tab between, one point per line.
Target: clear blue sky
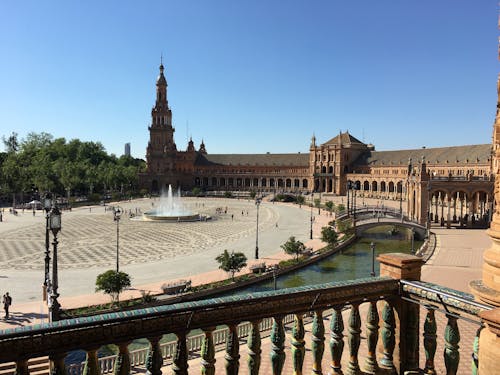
252	76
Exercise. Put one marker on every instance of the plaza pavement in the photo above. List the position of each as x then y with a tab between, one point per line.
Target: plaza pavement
152	253
456	260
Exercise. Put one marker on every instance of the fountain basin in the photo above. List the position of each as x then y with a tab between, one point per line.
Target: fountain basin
154	215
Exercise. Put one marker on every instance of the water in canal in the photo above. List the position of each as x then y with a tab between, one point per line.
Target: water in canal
354	262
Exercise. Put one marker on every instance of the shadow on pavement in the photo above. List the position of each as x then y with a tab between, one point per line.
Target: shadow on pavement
22	319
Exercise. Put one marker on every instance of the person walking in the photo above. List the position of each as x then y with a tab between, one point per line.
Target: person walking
7	301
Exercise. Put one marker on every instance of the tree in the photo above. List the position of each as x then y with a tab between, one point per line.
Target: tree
300	200
11	143
329	236
340	208
196	191
232	263
293	247
317	204
112	283
345	226
329	206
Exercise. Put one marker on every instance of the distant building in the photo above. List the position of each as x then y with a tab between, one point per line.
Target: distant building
127	149
427	179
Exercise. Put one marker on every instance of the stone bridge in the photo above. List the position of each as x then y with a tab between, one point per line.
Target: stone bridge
367	217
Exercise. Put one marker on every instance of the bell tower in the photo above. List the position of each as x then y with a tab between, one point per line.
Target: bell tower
161	132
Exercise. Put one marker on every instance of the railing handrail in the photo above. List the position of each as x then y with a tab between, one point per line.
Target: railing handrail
435	293
194	343
124	326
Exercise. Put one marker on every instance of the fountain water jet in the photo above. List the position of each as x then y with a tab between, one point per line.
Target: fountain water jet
171	209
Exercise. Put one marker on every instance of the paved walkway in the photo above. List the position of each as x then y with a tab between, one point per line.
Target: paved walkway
456	261
277	222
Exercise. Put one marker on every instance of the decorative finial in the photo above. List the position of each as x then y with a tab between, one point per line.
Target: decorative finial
161	58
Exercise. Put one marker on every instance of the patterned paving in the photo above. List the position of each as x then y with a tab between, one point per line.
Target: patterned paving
88	238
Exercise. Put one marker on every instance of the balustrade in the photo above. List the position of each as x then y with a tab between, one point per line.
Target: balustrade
261	311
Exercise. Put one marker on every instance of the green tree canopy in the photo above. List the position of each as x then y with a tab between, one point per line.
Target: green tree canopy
344	226
329	206
300	200
112	283
231	262
329	236
293	247
56	165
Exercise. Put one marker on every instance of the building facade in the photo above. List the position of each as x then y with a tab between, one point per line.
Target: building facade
445	183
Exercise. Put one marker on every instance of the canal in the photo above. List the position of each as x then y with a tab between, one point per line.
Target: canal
352	263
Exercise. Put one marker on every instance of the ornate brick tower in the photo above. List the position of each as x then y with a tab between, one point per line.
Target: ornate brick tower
161	152
488	289
161	132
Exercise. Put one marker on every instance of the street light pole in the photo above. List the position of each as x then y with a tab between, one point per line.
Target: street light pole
372	246
257	204
55	227
47	205
117	213
348	186
312	201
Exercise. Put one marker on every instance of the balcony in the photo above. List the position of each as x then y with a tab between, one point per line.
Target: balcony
388	338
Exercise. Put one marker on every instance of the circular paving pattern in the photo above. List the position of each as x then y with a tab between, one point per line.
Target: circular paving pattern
88	238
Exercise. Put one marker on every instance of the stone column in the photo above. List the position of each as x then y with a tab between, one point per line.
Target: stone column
407	267
448	219
489	342
436	201
455	198
469	212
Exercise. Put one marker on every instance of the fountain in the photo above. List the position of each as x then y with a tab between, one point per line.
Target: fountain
171	209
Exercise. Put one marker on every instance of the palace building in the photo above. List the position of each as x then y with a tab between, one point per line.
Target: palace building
446	184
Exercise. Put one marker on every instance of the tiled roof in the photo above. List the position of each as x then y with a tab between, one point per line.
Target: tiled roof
346	138
297	160
440	155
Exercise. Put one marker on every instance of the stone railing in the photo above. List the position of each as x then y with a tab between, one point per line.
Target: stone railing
58	338
391	301
138	357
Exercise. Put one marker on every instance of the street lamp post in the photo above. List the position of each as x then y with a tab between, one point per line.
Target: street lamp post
319	205
401	201
55	227
117	213
311	219
257	204
47	205
348	186
372	247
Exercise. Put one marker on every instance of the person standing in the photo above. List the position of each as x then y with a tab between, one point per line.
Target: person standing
7	301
